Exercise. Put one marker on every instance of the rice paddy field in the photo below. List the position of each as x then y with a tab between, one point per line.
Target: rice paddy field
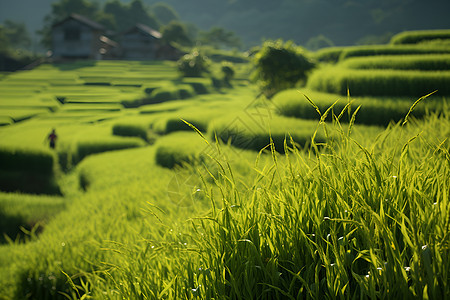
162	187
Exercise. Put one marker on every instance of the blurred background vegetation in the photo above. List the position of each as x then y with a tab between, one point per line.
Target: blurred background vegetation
237	23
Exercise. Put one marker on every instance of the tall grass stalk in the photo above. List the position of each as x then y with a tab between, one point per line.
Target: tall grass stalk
352	222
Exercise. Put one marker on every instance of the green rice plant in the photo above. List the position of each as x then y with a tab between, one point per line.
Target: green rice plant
356	51
329	54
162	94
4	120
88	147
419	36
200	119
162	107
129	130
26	211
436	62
380	82
30	103
242	132
169	154
123	183
373	111
353	222
176	124
37	160
94	107
185	91
28	170
18	114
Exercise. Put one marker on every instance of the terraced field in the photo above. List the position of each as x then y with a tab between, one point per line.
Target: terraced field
136	203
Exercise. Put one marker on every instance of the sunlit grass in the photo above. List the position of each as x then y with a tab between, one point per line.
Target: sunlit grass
358	213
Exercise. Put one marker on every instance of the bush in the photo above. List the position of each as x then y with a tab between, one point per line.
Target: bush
280	66
228	73
194	64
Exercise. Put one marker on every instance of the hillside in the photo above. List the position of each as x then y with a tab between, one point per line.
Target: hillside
316	193
343	22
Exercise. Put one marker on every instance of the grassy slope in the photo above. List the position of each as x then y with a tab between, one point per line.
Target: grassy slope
136	204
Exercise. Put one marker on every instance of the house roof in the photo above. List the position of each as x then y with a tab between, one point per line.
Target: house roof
108	41
144	29
86	21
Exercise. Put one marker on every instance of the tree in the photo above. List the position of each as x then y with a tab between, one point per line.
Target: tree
17	34
176	32
218	36
61	10
139	14
318	42
164	13
127	15
280	66
4	41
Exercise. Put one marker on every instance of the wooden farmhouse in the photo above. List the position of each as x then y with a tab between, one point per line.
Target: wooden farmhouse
77	37
140	42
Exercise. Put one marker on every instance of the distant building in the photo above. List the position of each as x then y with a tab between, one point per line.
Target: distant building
78	37
140	42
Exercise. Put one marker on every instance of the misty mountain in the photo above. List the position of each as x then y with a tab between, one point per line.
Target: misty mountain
344	22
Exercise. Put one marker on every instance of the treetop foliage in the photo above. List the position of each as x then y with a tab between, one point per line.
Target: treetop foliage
280	65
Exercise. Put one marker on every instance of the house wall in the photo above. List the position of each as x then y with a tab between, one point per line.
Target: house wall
75	40
136	45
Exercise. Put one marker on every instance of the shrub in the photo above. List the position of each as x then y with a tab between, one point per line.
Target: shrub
194	64
228	73
280	66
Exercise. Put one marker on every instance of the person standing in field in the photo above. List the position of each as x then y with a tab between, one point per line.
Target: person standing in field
52	138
